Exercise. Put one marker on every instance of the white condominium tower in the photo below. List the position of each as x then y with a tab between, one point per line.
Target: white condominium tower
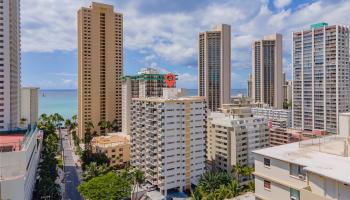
168	139
214	66
321	81
232	135
148	83
267	78
10	75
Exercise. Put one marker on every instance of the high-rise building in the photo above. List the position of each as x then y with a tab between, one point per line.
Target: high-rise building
267	70
29	106
148	83
321	76
249	86
214	66
232	136
312	169
10	69
168	139
100	66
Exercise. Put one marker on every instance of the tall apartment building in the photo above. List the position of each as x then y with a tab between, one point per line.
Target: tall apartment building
314	169
249	86
168	139
29	105
321	82
214	66
267	70
148	83
100	65
10	69
232	136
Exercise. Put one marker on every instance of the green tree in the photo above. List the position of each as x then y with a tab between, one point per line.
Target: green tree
138	179
211	181
105	187
93	170
103	124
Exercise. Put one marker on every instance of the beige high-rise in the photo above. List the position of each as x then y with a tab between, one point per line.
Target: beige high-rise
214	66
267	78
100	65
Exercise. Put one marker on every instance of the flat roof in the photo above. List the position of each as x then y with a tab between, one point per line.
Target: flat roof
112	139
179	99
11	142
324	156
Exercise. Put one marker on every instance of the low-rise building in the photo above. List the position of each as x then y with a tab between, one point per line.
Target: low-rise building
232	136
168	139
116	146
314	169
19	158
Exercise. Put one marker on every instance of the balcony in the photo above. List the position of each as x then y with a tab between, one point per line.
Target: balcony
306	193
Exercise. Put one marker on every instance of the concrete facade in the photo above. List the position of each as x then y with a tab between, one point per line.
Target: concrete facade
18	167
272	114
100	66
321	76
29	105
232	137
168	139
214	66
10	69
148	83
267	65
313	169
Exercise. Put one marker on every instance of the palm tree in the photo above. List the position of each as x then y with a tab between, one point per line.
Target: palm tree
233	188
114	125
221	193
57	119
247	171
93	170
139	178
103	124
210	181
74	118
237	170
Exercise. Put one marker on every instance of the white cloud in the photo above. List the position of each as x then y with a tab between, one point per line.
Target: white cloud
50	25
281	3
65	74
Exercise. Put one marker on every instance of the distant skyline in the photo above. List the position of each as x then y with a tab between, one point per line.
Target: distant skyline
163	34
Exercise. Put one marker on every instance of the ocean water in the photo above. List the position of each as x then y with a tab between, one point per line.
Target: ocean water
65	102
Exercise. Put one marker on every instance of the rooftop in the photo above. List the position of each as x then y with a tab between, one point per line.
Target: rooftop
327	156
112	139
11	142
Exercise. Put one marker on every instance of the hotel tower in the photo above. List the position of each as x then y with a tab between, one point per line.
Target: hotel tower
100	66
214	66
10	75
320	76
267	83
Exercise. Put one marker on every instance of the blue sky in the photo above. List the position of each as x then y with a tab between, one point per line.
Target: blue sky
163	34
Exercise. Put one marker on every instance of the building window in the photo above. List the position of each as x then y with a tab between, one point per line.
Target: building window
267	162
297	171
267	185
294	194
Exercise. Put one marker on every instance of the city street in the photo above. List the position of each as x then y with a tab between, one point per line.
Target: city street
72	180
